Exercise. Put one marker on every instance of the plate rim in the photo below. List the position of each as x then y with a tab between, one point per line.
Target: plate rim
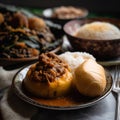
29	100
13	61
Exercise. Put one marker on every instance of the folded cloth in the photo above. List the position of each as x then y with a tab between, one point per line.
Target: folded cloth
6	77
13	108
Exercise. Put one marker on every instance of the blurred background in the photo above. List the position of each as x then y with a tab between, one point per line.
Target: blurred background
94	6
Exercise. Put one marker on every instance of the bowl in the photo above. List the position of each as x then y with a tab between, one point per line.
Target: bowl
48	14
101	49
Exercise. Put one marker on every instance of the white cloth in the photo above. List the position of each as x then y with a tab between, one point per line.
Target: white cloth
13	108
6	77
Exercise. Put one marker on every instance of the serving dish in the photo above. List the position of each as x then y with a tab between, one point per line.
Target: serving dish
102	50
47	14
21	40
70	102
12	63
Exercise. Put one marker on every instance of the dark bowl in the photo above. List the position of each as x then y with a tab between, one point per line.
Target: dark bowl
15	60
101	49
47	14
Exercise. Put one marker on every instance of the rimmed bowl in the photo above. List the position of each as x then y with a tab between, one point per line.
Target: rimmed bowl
47	14
13	63
101	49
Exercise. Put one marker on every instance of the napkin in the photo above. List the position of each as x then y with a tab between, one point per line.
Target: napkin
13	108
6	77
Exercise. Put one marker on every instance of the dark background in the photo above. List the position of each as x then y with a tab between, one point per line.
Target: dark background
106	6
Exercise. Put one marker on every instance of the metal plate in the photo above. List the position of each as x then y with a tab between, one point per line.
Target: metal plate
72	102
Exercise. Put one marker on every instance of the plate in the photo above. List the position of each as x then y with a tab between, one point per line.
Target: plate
69	102
13	63
47	14
52	44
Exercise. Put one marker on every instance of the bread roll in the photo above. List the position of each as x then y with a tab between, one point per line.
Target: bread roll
90	79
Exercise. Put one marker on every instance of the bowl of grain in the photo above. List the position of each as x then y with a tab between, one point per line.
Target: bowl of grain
97	36
62	14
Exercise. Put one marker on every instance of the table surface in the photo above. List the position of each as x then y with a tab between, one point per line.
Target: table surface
103	110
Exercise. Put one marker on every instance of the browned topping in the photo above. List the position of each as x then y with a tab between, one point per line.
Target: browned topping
49	68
